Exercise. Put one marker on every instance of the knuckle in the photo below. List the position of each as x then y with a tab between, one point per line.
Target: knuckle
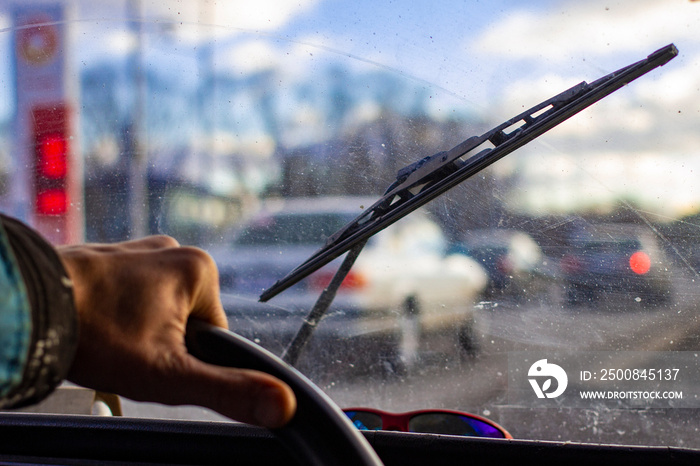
197	261
200	256
164	241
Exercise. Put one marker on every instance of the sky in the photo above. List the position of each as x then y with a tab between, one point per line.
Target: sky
476	52
486	58
472	53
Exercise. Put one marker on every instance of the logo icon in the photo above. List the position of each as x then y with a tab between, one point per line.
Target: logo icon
38	40
544	371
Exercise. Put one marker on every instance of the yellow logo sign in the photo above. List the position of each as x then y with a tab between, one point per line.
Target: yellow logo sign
37	40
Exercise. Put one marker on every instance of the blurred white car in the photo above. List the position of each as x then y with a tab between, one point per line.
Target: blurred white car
402	290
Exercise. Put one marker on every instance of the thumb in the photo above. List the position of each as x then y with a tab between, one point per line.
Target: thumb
244	395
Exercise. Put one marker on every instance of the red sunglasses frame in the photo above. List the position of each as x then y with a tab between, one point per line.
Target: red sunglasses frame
399	421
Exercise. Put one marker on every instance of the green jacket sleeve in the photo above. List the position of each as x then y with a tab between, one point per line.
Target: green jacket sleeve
38	321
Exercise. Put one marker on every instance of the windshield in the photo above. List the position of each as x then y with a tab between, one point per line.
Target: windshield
257	130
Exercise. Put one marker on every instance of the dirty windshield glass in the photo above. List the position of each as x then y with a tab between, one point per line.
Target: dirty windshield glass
554	292
310	229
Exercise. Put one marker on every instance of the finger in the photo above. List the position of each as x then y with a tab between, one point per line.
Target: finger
244	395
149	243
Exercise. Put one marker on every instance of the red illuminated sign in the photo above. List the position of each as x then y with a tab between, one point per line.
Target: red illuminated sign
50	159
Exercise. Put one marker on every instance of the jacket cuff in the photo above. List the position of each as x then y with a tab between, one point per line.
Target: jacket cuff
54	337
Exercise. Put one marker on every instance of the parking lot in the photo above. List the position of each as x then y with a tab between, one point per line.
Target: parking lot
479	385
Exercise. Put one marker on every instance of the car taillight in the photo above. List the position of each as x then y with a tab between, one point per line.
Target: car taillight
570	264
640	263
353	280
504	265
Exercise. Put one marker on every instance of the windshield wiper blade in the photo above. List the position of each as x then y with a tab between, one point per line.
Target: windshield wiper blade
424	180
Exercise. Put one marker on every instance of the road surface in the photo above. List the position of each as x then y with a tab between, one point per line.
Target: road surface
479	385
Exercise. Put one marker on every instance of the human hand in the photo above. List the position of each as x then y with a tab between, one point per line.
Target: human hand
133	301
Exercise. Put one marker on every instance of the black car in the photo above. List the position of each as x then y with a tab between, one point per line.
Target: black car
516	266
616	262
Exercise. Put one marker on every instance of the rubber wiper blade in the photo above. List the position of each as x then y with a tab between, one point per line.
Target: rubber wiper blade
429	177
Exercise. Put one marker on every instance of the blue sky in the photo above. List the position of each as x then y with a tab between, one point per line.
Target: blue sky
493	58
466	49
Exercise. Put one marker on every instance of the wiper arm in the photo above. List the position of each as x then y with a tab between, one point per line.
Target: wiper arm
431	176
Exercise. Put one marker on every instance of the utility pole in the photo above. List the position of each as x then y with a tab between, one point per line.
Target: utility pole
138	149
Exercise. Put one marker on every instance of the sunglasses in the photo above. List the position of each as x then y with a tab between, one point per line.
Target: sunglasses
429	421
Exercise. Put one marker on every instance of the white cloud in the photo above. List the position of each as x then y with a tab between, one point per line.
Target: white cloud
260	15
121	41
5	22
295	59
676	87
638	109
251	57
591	27
584	40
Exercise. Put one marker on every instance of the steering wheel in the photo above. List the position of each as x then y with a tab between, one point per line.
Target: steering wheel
319	433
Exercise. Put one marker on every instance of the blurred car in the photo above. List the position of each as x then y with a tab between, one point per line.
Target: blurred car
401	289
514	262
616	261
